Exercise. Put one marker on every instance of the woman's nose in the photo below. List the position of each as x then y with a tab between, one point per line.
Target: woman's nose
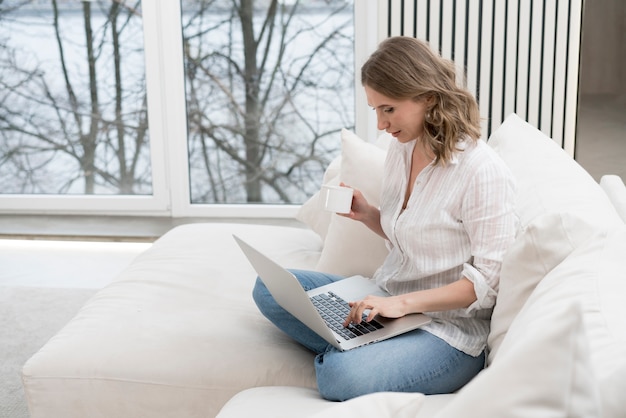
383	123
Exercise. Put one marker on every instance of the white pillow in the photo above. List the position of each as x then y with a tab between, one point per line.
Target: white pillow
312	212
549	180
540	247
350	248
543	370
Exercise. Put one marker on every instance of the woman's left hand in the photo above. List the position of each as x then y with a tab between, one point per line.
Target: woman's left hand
389	307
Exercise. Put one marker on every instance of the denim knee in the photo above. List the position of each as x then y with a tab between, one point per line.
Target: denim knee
338	381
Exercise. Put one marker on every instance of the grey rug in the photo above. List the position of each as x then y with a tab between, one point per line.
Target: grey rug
29	317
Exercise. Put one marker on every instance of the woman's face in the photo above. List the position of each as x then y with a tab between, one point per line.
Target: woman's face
403	119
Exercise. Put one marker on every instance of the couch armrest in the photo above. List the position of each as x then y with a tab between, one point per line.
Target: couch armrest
615	189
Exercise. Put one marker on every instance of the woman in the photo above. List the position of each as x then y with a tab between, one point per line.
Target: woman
447	215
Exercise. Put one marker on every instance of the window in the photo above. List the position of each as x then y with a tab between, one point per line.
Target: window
73	113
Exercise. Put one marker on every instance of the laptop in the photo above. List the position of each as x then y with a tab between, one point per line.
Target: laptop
315	308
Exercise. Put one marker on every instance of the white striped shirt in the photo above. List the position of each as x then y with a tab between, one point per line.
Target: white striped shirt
459	221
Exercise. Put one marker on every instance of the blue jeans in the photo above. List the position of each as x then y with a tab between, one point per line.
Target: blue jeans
413	362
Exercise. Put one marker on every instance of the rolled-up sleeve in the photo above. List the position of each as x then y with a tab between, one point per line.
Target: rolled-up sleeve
485	294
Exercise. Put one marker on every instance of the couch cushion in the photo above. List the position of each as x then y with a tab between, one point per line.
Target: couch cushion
274	402
176	334
382	404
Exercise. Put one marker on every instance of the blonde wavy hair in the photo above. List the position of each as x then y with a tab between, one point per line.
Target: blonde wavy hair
406	68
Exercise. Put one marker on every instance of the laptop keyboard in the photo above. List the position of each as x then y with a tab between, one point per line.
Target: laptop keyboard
334	310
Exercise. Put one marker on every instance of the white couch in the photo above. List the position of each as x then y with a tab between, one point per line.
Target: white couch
177	333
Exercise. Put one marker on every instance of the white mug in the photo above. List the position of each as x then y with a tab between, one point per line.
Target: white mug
337	198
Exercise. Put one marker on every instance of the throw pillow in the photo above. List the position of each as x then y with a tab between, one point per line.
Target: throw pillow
538	249
350	248
543	370
548	179
312	212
